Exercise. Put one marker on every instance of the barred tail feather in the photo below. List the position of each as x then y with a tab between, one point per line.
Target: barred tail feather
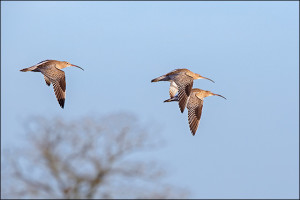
24	70
28	69
161	78
172	99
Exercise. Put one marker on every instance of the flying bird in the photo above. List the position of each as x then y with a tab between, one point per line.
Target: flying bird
181	81
194	106
51	69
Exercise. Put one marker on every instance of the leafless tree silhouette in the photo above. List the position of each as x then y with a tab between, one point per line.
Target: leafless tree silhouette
88	158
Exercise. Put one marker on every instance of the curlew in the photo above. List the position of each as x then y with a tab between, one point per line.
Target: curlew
51	69
181	81
194	106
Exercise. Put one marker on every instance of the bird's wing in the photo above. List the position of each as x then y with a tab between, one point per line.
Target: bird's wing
194	107
42	62
59	93
47	80
37	66
173	89
185	85
58	79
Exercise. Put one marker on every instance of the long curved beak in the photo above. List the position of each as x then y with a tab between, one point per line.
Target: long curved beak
76	66
206	78
220	96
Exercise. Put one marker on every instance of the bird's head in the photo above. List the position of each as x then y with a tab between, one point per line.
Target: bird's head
198	76
204	93
67	64
212	94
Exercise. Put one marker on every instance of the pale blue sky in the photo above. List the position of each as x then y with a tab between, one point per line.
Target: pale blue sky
245	147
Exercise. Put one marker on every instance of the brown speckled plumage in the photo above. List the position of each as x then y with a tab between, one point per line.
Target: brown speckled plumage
194	106
181	81
52	74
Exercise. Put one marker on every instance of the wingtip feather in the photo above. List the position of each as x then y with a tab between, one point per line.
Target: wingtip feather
61	103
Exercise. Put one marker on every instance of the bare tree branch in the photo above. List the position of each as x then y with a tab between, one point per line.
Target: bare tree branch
87	158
